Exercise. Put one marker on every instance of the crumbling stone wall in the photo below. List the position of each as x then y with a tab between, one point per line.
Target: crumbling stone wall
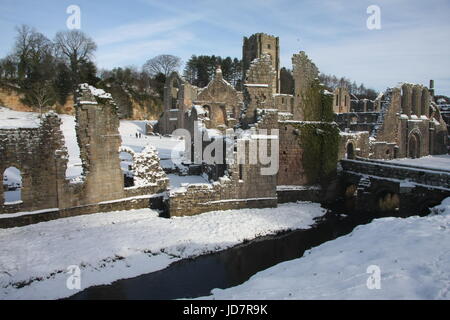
284	103
41	156
255	47
308	152
221	100
149	177
258	92
244	185
404	124
178	98
305	75
32	151
354	144
99	141
341	100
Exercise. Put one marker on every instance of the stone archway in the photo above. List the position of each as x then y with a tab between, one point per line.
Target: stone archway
350	151
127	160
12	184
207	111
388	201
414	146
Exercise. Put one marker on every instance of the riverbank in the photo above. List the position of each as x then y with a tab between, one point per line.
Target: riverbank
410	255
116	245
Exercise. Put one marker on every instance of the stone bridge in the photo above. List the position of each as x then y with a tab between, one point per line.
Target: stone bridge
379	186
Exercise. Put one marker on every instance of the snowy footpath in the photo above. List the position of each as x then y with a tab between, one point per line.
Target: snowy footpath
412	257
34	259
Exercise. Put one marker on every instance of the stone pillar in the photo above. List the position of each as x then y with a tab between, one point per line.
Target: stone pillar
432	88
425	102
406	99
416	100
99	140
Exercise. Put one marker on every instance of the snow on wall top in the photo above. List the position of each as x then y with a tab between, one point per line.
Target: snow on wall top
10	119
100	93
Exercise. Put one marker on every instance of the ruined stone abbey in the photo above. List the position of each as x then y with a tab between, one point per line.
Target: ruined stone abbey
313	129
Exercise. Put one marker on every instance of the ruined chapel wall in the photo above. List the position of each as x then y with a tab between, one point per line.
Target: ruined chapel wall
33	152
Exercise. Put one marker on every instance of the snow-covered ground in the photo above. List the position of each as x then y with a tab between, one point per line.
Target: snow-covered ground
117	245
176	181
10	119
434	162
412	254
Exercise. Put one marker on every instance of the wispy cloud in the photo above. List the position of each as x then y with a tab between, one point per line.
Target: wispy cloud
411	46
137	52
125	33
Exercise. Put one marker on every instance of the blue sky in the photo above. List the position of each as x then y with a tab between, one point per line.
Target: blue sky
413	43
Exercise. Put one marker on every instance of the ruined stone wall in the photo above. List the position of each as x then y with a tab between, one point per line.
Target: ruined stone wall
284	103
255	47
258	88
41	156
341	100
99	141
307	102
359	144
357	121
402	130
179	96
438	131
149	177
33	151
308	152
221	100
244	186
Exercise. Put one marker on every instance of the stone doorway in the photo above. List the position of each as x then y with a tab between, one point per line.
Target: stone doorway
12	186
350	151
414	146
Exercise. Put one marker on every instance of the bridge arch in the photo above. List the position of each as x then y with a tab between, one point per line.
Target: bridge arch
387	200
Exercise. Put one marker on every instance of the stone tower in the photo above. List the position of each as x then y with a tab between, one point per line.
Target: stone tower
257	45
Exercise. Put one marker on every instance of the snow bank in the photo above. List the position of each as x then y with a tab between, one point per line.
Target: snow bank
10	119
413	255
116	245
433	162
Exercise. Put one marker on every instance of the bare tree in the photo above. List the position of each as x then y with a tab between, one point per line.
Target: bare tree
23	47
76	47
164	63
41	95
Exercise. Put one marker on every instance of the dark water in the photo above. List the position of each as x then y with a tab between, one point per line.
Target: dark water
197	277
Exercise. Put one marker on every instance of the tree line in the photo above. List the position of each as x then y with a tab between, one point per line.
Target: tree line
48	71
331	82
200	70
359	90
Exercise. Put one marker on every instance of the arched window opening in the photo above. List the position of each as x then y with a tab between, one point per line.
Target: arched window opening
207	111
414	146
126	164
350	151
12	186
175	91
